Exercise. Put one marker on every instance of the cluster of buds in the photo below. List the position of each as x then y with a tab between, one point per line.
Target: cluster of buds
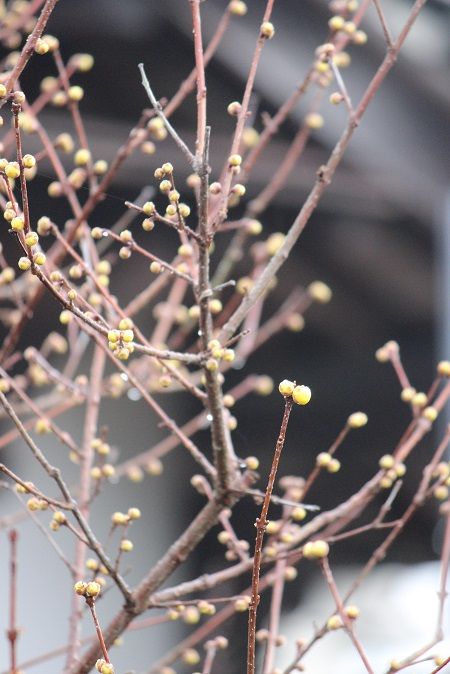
341	21
300	394
218	353
107	471
157	129
121	341
35	503
149	210
176	208
441	488
328	462
89	590
283	533
25	488
121	519
233	546
335	621
393	470
58	520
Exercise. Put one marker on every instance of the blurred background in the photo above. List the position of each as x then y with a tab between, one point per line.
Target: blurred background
379	239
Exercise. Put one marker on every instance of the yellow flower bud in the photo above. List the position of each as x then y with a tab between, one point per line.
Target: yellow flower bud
443	368
93	589
82	157
237	7
357	420
314	120
334	622
24	263
286	387
235	160
28	160
267	30
75	93
319	292
80	587
386	462
352	611
301	395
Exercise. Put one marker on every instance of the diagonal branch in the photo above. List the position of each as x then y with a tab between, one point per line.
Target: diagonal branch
159	111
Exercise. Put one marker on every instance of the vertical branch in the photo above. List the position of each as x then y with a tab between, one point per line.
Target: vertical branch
23	182
90	426
91	603
221	440
201	81
242	117
13	631
275	613
442	594
261	524
383	22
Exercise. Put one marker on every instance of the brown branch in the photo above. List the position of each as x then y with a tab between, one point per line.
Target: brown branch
201	82
261	524
383	22
28	49
344	617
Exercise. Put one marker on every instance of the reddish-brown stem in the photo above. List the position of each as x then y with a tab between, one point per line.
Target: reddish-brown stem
28	49
383	22
341	610
98	629
275	614
261	524
220	213
201	81
440	667
13	631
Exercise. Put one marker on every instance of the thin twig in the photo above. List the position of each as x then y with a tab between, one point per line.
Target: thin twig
13	632
261	524
159	111
383	22
344	617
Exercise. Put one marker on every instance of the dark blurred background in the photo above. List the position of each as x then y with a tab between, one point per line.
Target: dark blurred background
378	238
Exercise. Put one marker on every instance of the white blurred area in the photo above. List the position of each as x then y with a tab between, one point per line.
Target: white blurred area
398	611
